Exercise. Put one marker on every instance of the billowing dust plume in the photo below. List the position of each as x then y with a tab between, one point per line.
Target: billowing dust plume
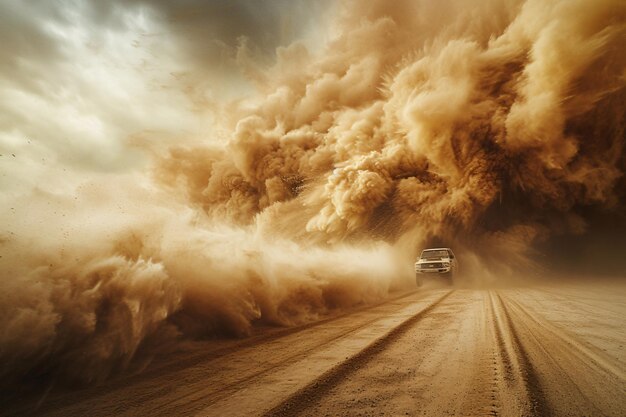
488	126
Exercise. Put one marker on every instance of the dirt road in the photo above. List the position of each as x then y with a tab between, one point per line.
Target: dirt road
537	351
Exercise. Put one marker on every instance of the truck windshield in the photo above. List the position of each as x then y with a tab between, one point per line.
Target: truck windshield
427	254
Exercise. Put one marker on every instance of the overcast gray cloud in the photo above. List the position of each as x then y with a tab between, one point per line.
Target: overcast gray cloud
79	78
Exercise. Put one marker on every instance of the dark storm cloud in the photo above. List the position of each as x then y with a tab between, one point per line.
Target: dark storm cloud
209	32
268	24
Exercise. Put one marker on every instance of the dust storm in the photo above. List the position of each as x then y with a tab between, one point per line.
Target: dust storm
492	127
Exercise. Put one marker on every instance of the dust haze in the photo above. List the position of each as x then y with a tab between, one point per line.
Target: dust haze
494	127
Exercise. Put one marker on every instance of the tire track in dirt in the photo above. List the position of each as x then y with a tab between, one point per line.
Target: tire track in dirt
587	353
571	377
432	369
498	380
485	400
317	388
519	386
214	394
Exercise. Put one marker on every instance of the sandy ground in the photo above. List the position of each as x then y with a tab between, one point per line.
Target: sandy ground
527	351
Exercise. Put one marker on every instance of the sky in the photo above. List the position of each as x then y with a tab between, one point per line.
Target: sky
80	80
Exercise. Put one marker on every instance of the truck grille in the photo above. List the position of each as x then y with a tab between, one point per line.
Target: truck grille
432	265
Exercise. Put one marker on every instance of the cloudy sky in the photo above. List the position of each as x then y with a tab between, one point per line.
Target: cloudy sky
82	80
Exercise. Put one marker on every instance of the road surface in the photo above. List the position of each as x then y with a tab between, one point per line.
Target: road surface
534	351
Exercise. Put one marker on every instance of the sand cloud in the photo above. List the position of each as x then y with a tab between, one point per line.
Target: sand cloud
407	124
